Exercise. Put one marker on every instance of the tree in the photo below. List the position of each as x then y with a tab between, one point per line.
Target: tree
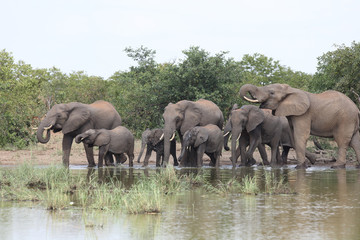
339	70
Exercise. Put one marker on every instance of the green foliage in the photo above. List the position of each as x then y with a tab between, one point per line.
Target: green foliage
339	70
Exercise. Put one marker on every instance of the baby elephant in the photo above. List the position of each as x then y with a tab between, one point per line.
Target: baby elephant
203	139
116	141
154	140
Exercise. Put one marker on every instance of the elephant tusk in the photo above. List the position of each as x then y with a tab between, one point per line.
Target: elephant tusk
251	100
238	137
47	128
226	134
81	139
162	137
172	137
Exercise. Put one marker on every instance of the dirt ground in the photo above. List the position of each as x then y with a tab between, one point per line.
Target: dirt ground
43	154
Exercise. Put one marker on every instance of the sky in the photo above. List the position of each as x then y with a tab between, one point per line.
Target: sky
91	35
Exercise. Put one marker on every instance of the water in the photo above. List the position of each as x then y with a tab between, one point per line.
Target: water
326	206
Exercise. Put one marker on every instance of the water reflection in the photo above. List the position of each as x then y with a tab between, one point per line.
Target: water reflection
326	206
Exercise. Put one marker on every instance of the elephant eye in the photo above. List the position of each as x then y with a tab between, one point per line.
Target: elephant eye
272	92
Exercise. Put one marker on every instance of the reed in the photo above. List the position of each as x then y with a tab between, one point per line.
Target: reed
59	189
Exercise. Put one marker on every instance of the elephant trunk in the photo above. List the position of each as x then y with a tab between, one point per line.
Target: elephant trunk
234	139
44	126
143	143
168	136
78	138
251	89
227	133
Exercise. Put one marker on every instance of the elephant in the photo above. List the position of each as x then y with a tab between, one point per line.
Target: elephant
75	118
203	139
227	133
154	140
185	115
328	114
115	141
254	127
285	141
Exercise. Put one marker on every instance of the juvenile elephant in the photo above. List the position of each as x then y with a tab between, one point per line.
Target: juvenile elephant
227	133
154	140
116	141
185	115
327	114
253	127
75	118
203	139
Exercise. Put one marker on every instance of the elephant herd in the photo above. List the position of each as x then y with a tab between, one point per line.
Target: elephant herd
285	118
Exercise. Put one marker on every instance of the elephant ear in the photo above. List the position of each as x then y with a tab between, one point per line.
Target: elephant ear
295	103
255	117
77	118
201	137
192	118
101	138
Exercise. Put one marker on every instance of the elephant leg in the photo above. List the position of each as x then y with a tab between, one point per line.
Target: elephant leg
158	157
343	142
89	155
103	150
118	158
310	156
131	159
285	154
147	156
301	128
355	144
199	155
173	152
66	147
212	159
255	140
109	160
243	143
263	154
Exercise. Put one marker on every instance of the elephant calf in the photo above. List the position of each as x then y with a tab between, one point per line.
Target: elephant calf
203	139
154	140
116	141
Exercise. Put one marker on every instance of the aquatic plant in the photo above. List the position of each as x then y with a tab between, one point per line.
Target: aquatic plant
58	189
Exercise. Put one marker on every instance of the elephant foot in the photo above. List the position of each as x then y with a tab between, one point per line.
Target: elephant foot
266	162
301	166
91	165
176	163
312	158
338	165
251	162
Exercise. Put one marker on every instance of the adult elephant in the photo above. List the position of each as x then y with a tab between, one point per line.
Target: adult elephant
75	118
185	115
327	114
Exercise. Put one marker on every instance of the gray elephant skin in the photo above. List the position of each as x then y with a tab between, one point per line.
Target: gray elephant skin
227	134
329	114
116	141
286	140
154	141
202	139
252	127
185	115
75	118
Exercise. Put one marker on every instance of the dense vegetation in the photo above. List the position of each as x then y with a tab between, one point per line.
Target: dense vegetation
141	93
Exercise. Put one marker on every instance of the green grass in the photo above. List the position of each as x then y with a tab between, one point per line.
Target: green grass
56	188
